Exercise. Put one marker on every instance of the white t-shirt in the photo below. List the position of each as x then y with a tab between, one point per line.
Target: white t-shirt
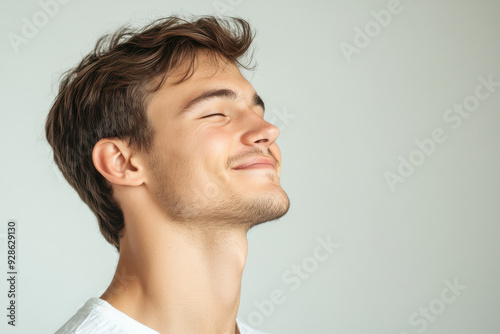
98	316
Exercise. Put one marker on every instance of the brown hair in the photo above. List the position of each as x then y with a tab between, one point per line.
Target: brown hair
106	96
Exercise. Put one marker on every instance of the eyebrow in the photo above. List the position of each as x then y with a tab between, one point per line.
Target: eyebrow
220	93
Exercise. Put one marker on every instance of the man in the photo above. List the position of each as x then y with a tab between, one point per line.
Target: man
166	142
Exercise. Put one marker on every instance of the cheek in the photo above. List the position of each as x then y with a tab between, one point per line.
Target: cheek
172	154
196	152
214	147
193	147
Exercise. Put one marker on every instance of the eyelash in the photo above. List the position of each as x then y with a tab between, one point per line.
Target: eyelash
214	115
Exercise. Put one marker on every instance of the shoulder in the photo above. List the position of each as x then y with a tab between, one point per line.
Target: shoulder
96	316
86	314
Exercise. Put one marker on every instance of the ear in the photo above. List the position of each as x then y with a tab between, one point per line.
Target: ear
117	163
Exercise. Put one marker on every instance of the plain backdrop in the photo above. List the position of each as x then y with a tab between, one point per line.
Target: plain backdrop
359	97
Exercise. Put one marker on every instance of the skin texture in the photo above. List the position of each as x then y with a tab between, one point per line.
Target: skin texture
187	211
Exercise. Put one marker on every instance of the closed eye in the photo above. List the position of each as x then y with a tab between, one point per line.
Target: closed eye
213	115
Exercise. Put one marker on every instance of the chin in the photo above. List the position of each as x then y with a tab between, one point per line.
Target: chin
262	209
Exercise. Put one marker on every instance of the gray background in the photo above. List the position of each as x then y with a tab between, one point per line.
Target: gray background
343	123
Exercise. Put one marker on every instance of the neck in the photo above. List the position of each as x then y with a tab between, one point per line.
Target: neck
175	279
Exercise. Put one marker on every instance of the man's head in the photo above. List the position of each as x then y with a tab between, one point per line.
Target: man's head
163	116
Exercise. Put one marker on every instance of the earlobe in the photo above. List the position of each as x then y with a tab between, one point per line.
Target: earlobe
113	159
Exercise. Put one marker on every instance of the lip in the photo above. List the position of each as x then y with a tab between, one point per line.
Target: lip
257	163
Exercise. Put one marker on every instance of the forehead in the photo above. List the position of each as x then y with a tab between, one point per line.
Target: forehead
209	73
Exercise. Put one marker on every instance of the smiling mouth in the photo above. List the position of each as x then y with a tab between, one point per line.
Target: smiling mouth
262	162
256	166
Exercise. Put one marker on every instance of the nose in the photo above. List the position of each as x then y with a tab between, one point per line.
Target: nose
259	131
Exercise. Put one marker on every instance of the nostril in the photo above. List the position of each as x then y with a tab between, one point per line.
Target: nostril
262	140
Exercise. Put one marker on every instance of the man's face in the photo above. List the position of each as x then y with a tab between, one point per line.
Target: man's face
193	175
